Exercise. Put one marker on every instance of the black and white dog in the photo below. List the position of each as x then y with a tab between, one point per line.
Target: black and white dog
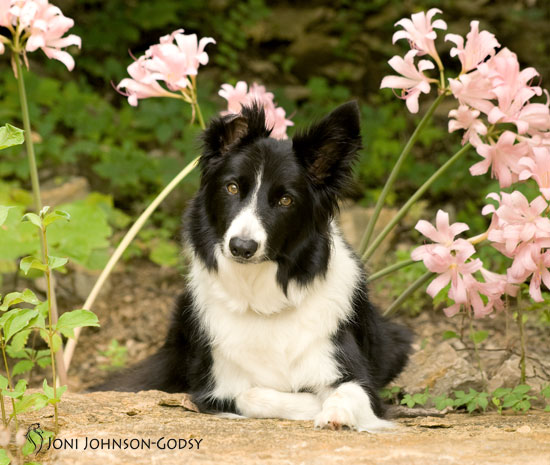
275	321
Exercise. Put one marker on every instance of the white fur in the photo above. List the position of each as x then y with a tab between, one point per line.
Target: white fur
349	406
267	346
247	224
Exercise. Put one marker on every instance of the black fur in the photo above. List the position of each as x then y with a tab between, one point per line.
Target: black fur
315	169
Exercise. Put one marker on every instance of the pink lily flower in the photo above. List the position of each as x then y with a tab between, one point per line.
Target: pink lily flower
174	62
412	80
503	159
467	118
474	90
241	95
479	45
419	31
537	168
44	26
141	85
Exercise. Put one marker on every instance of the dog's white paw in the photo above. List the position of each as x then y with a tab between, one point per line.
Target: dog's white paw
335	418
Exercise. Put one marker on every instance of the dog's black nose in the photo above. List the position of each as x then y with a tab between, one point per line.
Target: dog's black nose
244	248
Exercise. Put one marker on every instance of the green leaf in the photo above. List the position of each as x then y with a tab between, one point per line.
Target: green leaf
17	321
56	262
14	298
546	391
19	341
3	382
547	408
10	136
479	336
501	392
75	319
56	216
449	335
521	389
48	390
34	401
4	459
31	262
56	340
22	366
44	362
4	213
33	218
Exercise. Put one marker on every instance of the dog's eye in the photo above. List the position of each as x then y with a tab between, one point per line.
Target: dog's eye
285	201
232	188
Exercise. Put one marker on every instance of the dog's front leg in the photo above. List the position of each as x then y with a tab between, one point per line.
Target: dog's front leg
258	402
349	406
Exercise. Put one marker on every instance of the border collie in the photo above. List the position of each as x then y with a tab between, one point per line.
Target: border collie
275	321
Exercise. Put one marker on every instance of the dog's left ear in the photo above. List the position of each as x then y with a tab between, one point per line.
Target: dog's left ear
328	148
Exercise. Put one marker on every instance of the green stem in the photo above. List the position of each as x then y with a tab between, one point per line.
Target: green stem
405	208
51	324
476	351
4	419
395	171
390	269
28	134
407	293
10	383
521	325
35	182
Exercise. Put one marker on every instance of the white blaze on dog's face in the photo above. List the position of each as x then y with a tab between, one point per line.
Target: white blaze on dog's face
245	239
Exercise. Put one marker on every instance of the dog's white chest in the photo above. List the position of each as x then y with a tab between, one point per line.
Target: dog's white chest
262	338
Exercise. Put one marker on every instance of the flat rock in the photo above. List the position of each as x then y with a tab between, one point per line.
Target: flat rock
441	368
154	420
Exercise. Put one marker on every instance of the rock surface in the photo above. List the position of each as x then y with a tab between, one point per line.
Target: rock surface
454	439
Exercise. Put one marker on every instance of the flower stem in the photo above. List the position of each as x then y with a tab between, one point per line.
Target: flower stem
10	384
390	269
407	293
476	351
521	325
126	240
36	190
51	324
405	208
395	171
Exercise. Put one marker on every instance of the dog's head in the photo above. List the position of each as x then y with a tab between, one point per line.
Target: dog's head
266	199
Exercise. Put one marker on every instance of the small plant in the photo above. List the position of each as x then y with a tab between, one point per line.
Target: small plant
391	394
116	356
517	399
472	400
17	323
419	398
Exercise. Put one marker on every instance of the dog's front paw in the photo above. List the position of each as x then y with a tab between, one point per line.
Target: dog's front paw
335	417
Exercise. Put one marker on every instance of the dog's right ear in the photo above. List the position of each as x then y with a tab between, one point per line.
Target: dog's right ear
230	131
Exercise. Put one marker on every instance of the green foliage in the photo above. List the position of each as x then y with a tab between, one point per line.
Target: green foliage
472	400
420	398
17	323
517	399
10	136
116	356
391	394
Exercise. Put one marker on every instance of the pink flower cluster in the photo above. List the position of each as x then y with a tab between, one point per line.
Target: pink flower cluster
491	90
174	60
40	25
419	30
452	260
241	95
521	231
